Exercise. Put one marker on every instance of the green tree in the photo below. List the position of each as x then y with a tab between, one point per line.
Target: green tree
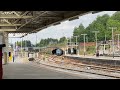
100	24
25	42
77	32
62	40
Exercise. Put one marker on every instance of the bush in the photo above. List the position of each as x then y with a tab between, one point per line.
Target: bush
90	49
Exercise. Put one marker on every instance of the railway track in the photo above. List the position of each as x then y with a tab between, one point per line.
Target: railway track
87	68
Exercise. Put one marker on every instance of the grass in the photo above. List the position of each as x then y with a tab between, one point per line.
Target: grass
89	50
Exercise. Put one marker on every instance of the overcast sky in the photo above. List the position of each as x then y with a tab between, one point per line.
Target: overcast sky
64	29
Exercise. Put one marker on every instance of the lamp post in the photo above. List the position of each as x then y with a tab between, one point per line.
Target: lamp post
104	43
96	38
113	39
67	46
21	46
84	42
15	50
71	45
36	39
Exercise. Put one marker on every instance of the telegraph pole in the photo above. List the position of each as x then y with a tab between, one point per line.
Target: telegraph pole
110	45
105	37
84	42
118	40
96	38
113	28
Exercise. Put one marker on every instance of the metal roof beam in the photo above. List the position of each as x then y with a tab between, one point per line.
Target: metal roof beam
14	17
7	29
51	17
32	20
15	13
67	15
6	20
18	31
10	24
22	16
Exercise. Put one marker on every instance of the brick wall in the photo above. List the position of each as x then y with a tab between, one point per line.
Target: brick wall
88	44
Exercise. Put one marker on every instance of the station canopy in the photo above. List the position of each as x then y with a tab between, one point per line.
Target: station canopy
34	21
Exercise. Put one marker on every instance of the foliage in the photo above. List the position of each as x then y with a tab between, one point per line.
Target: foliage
101	24
25	43
62	40
46	42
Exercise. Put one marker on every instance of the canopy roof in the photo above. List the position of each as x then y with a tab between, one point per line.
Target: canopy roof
34	21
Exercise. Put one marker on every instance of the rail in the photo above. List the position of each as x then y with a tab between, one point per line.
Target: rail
88	68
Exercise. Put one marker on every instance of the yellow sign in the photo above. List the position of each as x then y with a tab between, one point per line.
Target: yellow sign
10	57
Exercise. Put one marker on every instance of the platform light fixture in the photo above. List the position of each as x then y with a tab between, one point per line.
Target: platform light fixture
94	12
56	23
73	18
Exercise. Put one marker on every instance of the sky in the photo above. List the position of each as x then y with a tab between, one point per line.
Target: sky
64	29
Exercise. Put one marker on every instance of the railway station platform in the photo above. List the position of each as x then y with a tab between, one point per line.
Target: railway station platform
23	69
97	60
